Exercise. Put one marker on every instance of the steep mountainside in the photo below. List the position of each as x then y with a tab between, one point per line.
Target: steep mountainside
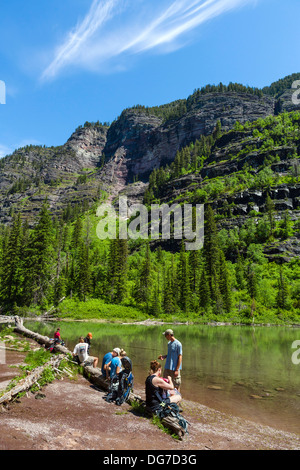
107	158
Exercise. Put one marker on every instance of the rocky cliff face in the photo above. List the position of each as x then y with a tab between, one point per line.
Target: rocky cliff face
145	142
99	158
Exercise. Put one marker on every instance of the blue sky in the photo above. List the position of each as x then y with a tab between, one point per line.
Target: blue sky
65	62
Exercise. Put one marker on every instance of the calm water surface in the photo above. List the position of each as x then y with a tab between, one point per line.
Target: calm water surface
223	366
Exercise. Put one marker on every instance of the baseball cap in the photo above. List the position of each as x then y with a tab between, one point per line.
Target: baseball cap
117	350
168	332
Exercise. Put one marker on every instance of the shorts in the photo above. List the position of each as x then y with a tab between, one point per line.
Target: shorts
176	380
89	361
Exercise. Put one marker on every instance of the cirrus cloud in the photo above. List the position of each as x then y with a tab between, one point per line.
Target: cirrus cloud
114	29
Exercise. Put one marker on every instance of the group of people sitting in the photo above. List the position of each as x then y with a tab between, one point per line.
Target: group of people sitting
159	390
111	363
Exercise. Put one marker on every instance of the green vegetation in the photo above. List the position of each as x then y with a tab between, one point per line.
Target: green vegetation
277	88
62	263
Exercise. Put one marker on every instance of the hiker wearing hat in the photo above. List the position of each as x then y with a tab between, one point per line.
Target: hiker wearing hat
111	364
173	363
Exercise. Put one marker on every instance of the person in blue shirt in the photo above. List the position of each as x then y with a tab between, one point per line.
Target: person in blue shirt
111	364
115	364
173	363
105	361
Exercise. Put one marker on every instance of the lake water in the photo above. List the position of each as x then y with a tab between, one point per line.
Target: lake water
224	367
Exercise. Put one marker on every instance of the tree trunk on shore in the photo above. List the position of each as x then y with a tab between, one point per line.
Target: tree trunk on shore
26	383
44	340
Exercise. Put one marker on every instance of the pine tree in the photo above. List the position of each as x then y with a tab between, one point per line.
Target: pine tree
211	252
117	270
76	235
183	280
168	293
282	292
225	287
239	271
252	284
83	277
143	284
194	269
122	268
39	258
12	273
155	308
204	290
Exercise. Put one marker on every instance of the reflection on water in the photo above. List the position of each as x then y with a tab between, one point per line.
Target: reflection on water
246	371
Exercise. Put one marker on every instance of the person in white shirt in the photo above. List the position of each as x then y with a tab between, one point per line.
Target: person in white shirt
81	351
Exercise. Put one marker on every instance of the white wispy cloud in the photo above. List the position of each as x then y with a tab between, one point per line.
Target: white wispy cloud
114	28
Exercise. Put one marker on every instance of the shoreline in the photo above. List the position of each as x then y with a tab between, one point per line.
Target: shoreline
151	322
33	421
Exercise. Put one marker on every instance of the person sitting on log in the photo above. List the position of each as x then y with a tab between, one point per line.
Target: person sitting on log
156	385
87	340
111	364
115	364
57	337
81	350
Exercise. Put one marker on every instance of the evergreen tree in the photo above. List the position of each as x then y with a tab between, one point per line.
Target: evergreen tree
211	252
225	287
239	271
282	292
155	308
122	268
143	284
117	270
183	280
168	293
204	290
83	278
12	273
39	259
252	284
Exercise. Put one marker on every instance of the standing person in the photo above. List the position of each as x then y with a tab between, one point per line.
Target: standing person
81	350
173	363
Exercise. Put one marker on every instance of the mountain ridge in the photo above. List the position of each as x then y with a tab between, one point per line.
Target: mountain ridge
101	157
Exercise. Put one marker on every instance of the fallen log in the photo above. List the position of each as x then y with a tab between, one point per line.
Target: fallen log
44	340
94	375
25	384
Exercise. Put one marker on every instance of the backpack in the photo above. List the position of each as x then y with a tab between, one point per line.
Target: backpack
121	384
125	386
172	410
113	389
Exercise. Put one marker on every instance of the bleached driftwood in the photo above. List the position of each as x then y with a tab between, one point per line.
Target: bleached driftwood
31	379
